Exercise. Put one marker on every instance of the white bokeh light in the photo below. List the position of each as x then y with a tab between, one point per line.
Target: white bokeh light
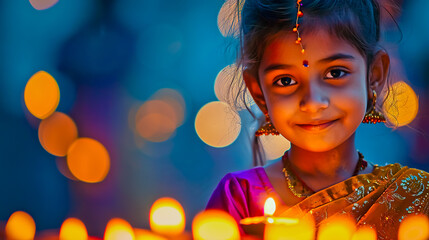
228	18
217	124
227	87
274	146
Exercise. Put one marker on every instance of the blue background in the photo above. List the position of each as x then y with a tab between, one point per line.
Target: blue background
107	55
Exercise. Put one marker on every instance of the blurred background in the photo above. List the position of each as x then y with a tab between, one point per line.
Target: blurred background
141	85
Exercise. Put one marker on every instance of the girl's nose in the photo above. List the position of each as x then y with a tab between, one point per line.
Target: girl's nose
313	99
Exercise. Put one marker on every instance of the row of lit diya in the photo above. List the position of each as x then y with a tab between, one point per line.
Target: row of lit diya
167	221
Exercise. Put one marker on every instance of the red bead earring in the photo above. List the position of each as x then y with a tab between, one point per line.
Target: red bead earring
267	129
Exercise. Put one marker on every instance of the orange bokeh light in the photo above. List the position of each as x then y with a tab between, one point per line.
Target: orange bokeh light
175	100
20	226
338	228
401	105
365	233
143	234
57	133
73	229
167	217
42	95
215	225
118	229
88	160
414	227
156	121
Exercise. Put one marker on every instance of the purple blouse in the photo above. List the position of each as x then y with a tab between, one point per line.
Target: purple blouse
242	194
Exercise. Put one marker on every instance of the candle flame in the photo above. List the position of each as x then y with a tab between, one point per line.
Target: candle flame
20	226
269	206
73	229
118	229
291	229
167	217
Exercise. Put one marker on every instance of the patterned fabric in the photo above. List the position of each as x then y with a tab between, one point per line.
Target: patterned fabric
381	199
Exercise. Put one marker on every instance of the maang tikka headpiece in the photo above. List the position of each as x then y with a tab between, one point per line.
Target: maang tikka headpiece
295	29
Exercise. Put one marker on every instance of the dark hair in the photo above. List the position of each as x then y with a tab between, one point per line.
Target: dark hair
355	21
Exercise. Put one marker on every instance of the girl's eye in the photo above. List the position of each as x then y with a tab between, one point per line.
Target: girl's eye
335	73
284	81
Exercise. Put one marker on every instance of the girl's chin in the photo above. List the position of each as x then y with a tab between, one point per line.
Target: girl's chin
315	145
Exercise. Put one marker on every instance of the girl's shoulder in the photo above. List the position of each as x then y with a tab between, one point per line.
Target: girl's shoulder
241	193
249	180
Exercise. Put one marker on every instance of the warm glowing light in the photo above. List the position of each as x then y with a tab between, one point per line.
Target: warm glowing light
20	226
167	217
73	229
414	227
88	160
42	4
156	120
57	133
338	228
118	229
401	105
214	225
303	229
217	124
228	18
269	207
142	234
227	87
365	233
175	100
274	146
42	95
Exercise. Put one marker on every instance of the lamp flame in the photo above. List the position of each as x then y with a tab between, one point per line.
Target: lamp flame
269	207
167	217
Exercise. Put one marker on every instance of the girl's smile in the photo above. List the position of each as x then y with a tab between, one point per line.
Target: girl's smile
317	125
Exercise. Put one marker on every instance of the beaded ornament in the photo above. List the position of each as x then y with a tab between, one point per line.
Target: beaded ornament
295	29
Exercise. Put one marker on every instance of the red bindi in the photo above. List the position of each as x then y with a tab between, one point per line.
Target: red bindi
305	63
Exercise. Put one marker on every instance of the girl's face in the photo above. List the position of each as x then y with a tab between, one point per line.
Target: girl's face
317	107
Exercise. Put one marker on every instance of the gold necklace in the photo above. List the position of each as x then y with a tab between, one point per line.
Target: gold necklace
299	188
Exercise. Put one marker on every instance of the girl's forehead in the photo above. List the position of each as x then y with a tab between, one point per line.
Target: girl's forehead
318	44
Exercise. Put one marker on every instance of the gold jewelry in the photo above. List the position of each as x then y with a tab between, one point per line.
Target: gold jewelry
373	116
267	129
299	188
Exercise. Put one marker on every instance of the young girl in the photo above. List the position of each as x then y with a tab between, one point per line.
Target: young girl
316	70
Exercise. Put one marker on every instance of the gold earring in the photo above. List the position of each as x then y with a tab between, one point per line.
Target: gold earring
373	116
267	129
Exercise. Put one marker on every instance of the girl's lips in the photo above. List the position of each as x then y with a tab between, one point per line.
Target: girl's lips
317	126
